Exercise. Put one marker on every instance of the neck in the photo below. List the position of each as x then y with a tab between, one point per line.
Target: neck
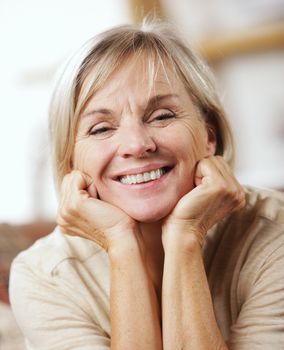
151	234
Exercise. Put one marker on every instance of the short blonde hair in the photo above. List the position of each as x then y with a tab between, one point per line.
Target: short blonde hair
105	53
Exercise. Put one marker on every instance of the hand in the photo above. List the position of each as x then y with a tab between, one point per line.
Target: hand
217	193
82	214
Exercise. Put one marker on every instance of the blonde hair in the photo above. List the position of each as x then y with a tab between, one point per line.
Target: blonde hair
105	53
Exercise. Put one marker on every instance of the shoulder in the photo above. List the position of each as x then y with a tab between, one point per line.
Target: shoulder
259	223
239	247
47	253
262	219
265	203
54	263
262	231
62	283
244	256
45	275
258	284
258	235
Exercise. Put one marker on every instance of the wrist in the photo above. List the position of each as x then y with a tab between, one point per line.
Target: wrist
124	244
181	239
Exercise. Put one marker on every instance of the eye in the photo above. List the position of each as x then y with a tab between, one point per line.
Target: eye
100	130
161	117
165	116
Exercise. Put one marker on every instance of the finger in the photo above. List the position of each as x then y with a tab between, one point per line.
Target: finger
79	180
227	172
92	190
72	182
76	183
234	187
215	172
73	190
222	165
207	172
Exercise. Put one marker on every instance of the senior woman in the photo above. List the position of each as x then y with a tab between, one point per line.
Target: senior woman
157	246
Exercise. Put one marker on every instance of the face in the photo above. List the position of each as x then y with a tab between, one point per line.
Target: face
140	142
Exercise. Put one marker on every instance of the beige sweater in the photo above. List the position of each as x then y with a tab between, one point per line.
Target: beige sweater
59	287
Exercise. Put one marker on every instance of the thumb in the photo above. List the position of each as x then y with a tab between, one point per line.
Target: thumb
92	190
204	171
89	185
198	176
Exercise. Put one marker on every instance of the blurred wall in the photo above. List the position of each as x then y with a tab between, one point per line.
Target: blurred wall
253	94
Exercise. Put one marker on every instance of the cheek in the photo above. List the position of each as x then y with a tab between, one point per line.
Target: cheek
84	158
194	140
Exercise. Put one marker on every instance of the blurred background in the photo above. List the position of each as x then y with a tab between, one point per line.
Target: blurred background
242	40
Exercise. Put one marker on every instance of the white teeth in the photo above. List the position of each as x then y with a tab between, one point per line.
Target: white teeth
143	177
153	175
139	178
147	177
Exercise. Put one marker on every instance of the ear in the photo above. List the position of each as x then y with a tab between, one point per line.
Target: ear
211	140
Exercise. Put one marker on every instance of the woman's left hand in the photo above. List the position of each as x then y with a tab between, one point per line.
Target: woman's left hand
217	193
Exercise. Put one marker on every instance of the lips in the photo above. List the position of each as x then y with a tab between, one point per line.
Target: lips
143	177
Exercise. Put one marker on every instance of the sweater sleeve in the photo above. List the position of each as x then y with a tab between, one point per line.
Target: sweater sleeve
260	323
51	318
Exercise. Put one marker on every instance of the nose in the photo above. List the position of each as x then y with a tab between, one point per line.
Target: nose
136	141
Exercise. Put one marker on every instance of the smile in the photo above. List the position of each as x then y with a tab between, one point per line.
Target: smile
143	177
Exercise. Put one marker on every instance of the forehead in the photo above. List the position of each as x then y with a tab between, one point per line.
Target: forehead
141	77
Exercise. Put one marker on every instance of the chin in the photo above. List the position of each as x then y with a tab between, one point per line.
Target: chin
149	216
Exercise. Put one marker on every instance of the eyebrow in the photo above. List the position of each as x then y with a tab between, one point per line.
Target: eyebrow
153	101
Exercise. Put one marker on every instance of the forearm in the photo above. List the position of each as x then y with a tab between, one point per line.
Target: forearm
134	309
188	318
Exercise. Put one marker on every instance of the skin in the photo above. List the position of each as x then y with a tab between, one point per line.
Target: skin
136	140
153	232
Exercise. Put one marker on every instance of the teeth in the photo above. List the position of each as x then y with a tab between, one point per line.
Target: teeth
139	178
147	177
153	175
143	177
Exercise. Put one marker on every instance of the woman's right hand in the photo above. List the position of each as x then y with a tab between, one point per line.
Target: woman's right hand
82	214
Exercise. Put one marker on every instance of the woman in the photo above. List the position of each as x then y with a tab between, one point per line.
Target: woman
157	246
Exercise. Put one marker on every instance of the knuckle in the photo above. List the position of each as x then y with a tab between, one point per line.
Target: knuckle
64	213
72	209
63	229
221	188
236	200
242	200
65	181
61	223
228	193
76	174
239	199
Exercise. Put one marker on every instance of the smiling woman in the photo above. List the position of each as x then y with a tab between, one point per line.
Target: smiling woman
149	207
135	127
